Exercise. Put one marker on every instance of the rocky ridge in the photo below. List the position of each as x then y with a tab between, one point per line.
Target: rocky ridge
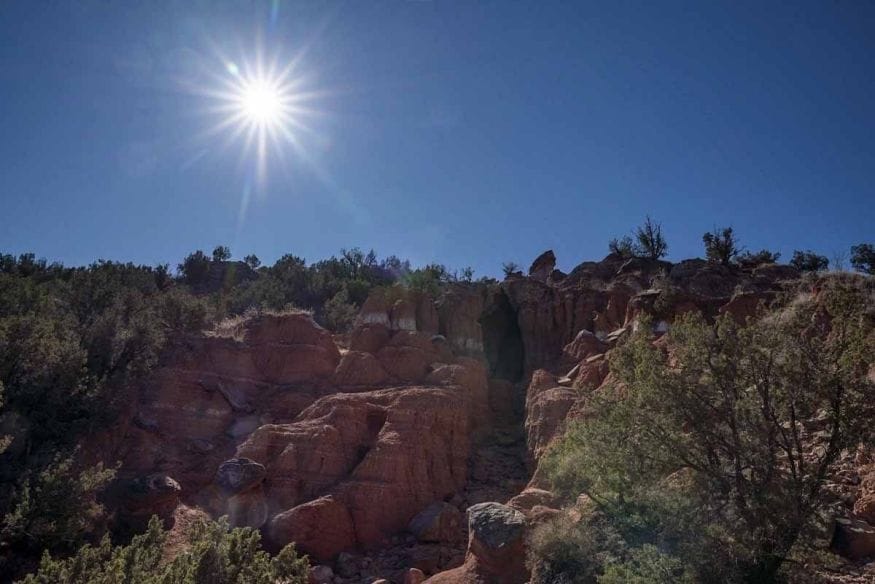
409	448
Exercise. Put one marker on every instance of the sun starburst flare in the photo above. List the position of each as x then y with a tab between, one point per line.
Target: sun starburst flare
264	105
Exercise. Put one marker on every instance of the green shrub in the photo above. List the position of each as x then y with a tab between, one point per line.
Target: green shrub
808	261
573	552
214	555
340	313
863	258
709	458
721	246
509	268
647	565
56	508
754	259
623	247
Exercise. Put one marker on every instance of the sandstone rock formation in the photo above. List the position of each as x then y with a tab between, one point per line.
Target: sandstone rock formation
436	405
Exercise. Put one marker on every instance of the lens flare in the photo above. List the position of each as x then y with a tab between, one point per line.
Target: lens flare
263	105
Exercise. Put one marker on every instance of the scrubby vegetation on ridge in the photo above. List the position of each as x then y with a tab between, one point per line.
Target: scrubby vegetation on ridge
707	459
71	340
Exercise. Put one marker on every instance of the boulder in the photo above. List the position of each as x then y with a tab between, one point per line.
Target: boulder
142	497
585	344
532	497
496	548
438	523
321	528
239	474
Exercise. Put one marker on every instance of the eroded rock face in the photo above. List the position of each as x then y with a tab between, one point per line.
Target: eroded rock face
342	451
381	455
358	368
547	405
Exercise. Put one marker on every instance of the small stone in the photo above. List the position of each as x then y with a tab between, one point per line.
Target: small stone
321	574
414	576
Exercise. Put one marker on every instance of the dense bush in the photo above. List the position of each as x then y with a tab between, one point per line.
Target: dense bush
623	247
721	246
213	555
649	242
718	456
863	258
755	259
56	508
808	261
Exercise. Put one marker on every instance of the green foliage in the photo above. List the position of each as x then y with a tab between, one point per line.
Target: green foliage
221	253
647	565
340	313
509	268
721	246
808	261
70	339
573	552
754	259
428	279
252	261
195	269
214	555
649	241
720	455
56	508
623	247
863	258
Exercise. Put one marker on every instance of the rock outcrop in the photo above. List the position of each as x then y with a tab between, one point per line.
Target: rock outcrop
496	548
429	407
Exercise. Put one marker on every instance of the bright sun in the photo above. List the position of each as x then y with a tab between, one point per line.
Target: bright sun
264	105
261	103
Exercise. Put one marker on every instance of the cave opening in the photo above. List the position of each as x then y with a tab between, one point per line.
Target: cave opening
502	339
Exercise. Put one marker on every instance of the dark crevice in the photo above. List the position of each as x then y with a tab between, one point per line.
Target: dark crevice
502	340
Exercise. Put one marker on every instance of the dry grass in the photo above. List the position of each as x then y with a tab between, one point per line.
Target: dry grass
234	327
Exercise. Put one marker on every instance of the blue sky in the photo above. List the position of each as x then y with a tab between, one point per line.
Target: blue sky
469	133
